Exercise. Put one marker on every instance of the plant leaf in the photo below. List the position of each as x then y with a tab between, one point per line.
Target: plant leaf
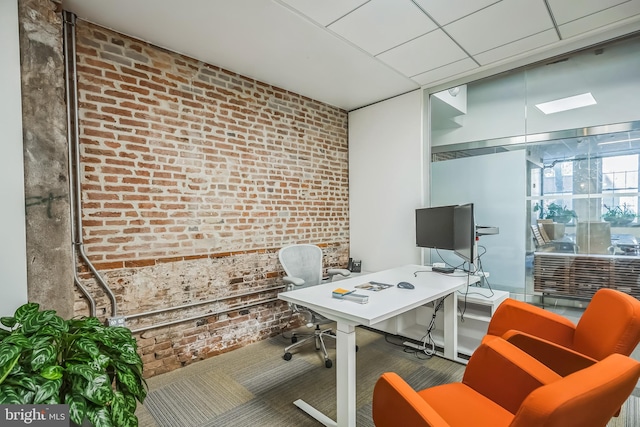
87	346
52	372
83	324
100	363
129	355
57	323
124	418
17	339
130	381
43	356
9	322
99	416
21	380
33	323
25	310
46	390
9	356
99	390
81	369
77	383
77	407
8	396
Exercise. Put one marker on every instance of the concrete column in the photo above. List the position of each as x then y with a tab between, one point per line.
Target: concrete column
48	223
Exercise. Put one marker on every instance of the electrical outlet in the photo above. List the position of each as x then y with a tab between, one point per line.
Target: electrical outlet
116	321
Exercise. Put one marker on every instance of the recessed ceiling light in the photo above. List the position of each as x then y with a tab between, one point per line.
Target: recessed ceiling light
568	103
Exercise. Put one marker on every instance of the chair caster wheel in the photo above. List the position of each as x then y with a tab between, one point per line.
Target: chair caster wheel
294	339
287	356
328	363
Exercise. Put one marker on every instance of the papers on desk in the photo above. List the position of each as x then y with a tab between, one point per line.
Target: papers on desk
349	295
374	286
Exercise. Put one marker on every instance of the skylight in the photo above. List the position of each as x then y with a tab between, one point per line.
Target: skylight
568	103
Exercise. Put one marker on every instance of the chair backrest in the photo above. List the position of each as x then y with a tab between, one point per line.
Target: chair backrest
537	237
302	261
593	237
609	324
588	397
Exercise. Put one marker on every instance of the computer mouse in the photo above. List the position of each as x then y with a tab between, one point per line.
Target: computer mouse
405	285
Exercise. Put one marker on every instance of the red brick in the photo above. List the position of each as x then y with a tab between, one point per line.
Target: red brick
181	193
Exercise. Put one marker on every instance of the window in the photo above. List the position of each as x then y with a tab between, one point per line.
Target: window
620	182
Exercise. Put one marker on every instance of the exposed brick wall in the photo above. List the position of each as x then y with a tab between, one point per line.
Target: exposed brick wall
192	178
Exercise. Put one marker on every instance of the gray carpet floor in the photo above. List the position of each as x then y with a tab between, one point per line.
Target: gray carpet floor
254	386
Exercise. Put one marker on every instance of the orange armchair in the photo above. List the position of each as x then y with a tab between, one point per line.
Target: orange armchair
610	324
503	386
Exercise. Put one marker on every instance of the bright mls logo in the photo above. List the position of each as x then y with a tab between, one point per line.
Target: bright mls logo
34	415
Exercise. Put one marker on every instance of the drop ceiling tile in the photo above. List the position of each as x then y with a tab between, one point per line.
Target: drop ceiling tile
518	47
446	72
609	16
326	11
499	24
565	11
447	11
427	52
380	25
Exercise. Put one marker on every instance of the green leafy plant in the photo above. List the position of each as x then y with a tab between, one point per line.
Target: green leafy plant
619	215
555	212
93	368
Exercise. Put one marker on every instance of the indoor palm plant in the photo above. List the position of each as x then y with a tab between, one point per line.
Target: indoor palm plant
93	368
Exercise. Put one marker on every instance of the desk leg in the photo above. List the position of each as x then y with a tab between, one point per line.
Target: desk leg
346	375
451	326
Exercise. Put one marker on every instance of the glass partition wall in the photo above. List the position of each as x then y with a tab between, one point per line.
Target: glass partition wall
562	185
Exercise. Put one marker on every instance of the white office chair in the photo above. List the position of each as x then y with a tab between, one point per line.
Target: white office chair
303	267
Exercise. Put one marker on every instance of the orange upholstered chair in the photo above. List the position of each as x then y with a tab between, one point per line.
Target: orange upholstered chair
504	386
610	324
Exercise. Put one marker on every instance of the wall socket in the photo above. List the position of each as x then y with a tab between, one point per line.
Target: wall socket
116	321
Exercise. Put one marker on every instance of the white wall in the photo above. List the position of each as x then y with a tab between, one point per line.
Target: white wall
385	181
13	268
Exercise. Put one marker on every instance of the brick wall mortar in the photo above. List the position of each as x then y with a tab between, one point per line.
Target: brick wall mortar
181	157
192	178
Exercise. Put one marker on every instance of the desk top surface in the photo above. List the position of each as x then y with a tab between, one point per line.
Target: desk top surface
382	304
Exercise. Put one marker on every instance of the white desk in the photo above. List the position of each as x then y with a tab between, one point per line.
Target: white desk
382	305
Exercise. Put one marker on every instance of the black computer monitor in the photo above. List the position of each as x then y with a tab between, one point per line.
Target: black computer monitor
434	227
464	232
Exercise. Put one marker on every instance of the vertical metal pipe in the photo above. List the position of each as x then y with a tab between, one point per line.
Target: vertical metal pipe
70	139
74	143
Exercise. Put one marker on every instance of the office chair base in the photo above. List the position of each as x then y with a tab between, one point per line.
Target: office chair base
318	337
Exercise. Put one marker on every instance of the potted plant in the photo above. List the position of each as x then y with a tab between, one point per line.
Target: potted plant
557	213
619	216
93	368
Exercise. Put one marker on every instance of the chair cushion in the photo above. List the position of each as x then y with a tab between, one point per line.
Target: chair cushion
460	406
589	397
610	324
525	317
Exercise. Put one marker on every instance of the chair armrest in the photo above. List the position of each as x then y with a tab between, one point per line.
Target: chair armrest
395	404
296	281
505	374
562	360
513	314
341	271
